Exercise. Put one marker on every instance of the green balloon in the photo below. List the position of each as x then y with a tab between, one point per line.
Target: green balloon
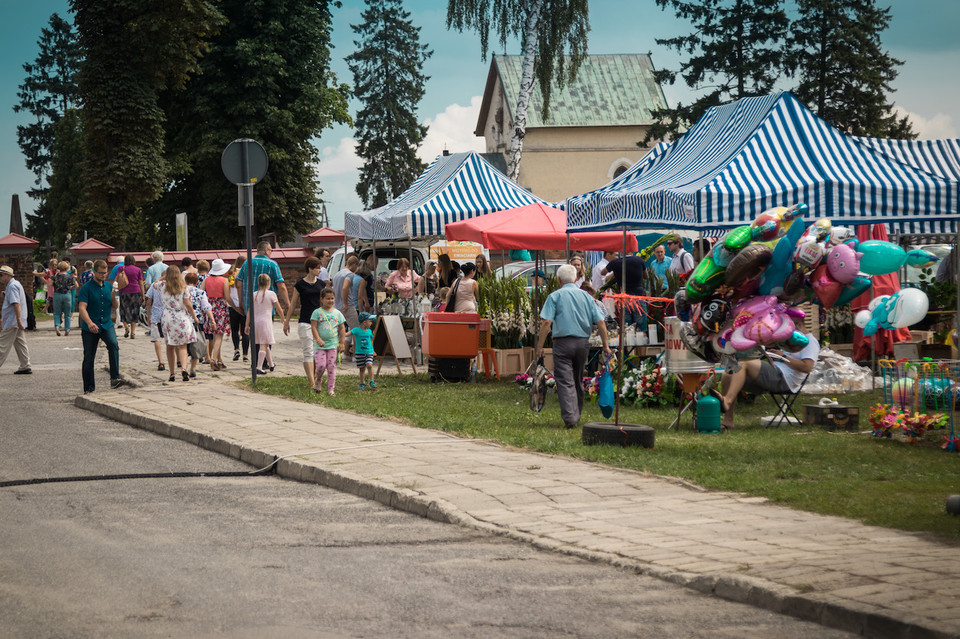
704	279
738	238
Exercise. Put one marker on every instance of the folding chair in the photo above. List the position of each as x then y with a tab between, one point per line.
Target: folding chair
784	403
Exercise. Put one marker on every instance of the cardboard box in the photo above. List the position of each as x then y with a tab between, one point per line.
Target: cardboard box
832	417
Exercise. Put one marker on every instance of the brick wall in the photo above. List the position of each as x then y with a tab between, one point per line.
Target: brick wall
22	264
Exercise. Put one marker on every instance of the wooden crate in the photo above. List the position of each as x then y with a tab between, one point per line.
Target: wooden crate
811	321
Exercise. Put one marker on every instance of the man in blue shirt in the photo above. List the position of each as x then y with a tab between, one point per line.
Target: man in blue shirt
155	270
570	314
263	264
96	302
659	264
13	321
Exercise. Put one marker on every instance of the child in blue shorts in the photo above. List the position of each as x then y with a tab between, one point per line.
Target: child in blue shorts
363	348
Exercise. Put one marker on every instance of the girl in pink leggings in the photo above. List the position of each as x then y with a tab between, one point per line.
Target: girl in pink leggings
329	334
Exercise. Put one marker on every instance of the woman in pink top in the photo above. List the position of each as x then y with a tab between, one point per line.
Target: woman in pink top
217	289
131	296
402	280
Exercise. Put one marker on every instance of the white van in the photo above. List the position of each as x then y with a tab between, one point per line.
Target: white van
388	253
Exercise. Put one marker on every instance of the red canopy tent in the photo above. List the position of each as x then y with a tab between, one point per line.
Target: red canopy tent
534	226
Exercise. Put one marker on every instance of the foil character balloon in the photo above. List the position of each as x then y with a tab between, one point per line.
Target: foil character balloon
748	264
843	263
713	313
853	290
762	320
826	288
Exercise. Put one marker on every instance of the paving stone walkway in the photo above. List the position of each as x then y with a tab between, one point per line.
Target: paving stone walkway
867	580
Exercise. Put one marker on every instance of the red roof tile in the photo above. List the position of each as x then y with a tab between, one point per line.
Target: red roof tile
15	240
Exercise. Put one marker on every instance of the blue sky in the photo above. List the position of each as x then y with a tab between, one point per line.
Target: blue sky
922	35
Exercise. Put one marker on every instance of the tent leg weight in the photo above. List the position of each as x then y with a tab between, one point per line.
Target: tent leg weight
622	435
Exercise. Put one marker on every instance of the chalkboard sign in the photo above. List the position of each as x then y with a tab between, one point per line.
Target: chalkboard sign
389	340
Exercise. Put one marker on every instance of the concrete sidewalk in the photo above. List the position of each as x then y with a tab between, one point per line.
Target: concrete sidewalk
867	580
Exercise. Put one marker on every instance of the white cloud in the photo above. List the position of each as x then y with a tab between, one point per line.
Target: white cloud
340	159
938	127
452	130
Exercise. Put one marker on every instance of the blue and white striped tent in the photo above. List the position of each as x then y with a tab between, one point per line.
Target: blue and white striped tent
454	187
743	158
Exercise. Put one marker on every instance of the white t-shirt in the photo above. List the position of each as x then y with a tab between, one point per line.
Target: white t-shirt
597	280
681	262
795	378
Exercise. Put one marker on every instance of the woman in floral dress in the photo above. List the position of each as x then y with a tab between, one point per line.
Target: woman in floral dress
177	320
217	289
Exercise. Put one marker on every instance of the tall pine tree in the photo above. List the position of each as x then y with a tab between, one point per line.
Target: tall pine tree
48	91
388	79
553	34
735	52
843	72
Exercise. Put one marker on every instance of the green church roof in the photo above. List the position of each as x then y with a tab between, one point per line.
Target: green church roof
610	90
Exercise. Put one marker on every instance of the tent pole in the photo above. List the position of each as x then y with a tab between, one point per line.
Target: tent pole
953	270
621	351
413	299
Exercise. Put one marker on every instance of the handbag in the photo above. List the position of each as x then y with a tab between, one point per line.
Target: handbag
605	396
122	280
452	298
198	349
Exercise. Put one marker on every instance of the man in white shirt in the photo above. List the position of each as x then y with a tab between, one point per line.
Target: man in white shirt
596	279
682	261
13	321
784	375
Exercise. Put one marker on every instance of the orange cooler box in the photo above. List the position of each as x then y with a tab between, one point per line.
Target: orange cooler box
455	335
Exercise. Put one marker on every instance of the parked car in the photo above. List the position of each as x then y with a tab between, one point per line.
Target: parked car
526	270
388	253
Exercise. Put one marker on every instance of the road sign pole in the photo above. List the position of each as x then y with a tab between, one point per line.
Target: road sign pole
244	163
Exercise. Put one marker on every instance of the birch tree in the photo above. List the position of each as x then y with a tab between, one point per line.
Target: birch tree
553	35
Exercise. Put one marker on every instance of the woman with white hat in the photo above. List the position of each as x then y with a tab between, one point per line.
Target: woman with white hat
216	287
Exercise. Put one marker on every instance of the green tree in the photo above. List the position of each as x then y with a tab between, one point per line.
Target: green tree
844	74
132	51
48	90
267	77
388	79
64	199
553	34
735	52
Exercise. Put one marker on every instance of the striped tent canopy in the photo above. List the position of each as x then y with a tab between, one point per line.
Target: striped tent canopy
743	158
454	187
939	157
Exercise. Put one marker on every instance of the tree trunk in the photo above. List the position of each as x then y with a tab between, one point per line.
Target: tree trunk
534	7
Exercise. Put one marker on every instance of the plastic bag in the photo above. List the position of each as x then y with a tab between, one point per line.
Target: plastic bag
605	396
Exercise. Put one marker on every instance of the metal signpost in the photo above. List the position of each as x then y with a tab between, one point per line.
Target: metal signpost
244	163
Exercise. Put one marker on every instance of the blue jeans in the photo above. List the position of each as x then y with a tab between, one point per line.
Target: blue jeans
62	303
90	343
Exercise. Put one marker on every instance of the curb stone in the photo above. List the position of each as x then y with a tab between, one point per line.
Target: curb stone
850	616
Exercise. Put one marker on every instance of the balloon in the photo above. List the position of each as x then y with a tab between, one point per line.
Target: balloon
704	280
840	234
881	257
904	308
843	262
918	258
903	392
826	288
737	239
798	340
911	306
807	254
818	232
780	264
680	301
748	264
713	313
853	290
771	224
762	320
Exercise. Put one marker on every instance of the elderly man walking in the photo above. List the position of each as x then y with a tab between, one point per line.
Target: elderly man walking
570	314
155	270
13	321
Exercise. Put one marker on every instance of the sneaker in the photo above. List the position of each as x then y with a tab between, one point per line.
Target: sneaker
236	356
119	383
23	371
330	393
373	384
361	387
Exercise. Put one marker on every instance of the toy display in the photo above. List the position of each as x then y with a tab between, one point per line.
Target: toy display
742	295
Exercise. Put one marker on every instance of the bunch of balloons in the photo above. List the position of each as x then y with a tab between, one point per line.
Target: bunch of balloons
744	293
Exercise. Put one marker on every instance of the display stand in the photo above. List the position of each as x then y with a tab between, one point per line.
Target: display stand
390	340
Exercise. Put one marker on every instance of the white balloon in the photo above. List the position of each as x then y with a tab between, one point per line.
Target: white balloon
862	318
911	307
876	301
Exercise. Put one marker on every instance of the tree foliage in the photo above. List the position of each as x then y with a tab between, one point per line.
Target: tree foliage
64	199
553	34
736	51
267	77
48	90
843	72
132	51
388	79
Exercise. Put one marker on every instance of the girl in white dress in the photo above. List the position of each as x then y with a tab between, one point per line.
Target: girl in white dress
264	303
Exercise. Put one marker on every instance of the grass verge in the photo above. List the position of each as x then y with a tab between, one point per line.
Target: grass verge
879	482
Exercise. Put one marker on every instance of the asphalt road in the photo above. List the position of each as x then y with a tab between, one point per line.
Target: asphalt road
265	557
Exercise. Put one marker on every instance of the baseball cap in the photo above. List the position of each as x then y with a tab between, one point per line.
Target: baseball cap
366	316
